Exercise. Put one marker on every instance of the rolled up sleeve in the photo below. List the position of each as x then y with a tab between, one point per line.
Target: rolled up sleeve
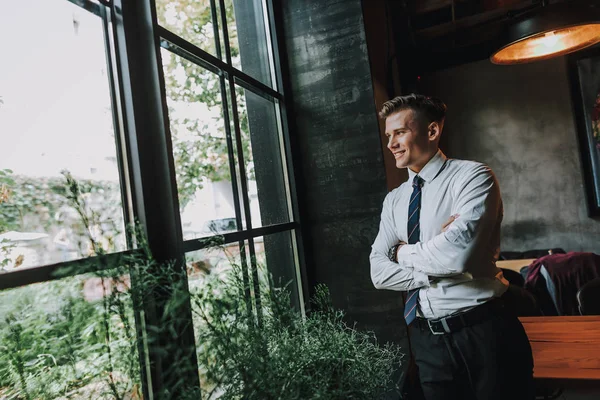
386	274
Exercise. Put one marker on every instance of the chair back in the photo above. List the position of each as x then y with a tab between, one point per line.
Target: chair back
588	298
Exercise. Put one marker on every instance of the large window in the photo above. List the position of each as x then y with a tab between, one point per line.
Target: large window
80	165
56	118
224	113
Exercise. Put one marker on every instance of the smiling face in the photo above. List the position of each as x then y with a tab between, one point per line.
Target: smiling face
410	139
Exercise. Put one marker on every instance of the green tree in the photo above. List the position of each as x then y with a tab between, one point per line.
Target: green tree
194	97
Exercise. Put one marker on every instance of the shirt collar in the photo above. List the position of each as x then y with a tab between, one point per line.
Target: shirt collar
431	169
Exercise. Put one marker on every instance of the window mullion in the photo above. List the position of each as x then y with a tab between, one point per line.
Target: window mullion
234	184
245	199
215	22
270	48
292	159
126	199
156	194
230	153
225	32
240	155
28	276
232	237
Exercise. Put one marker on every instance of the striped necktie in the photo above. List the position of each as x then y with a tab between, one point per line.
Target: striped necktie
414	231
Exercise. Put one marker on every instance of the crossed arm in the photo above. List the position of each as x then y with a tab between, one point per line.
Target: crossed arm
447	254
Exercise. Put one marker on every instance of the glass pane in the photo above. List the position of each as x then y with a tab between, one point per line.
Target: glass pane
263	160
190	19
69	339
206	266
200	148
55	116
277	252
223	296
215	261
248	39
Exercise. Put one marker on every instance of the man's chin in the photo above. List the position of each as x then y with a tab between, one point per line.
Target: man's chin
400	164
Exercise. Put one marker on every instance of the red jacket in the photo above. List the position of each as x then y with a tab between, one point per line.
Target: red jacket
568	273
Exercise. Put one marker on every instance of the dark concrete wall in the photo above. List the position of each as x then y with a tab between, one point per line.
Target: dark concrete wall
337	136
518	120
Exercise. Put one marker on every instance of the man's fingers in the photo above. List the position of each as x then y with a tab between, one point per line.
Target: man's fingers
447	223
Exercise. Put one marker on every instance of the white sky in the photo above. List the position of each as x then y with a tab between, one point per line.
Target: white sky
56	113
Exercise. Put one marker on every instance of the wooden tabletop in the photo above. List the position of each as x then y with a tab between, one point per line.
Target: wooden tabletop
564	347
515	265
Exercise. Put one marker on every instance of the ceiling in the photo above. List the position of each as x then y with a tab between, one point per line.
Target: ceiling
442	33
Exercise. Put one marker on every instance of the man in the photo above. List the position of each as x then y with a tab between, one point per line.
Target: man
439	240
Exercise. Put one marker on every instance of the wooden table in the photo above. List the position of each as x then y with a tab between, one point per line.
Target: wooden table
565	347
515	265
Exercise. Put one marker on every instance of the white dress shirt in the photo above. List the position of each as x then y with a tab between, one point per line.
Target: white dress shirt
456	269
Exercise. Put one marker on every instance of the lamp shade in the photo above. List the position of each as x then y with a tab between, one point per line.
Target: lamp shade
550	31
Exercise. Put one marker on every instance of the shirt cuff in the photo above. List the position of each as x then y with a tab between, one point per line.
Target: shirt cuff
404	252
406	255
421	279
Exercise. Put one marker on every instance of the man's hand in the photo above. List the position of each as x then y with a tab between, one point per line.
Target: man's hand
393	252
447	223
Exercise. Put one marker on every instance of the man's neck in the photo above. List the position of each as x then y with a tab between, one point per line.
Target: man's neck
417	169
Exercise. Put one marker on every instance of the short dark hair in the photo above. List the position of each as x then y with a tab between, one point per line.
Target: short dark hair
431	108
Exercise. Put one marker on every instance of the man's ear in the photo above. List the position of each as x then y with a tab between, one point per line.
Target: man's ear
434	130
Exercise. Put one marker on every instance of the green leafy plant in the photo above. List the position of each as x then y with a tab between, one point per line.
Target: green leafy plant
54	344
283	355
76	338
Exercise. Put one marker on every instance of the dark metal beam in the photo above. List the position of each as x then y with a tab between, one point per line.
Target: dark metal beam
87	5
196	55
232	237
172	360
28	276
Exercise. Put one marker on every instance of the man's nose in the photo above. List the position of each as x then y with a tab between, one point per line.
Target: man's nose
391	143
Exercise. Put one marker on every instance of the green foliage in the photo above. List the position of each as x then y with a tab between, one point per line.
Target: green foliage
53	342
6	182
37	204
6	247
76	338
286	356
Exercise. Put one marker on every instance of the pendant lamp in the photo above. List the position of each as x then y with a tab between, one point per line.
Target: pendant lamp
550	31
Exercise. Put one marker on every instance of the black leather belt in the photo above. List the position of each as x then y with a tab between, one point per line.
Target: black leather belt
456	322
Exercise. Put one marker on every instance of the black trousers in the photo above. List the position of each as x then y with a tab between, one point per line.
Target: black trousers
486	361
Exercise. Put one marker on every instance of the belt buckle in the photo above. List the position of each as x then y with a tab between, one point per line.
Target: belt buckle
444	325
